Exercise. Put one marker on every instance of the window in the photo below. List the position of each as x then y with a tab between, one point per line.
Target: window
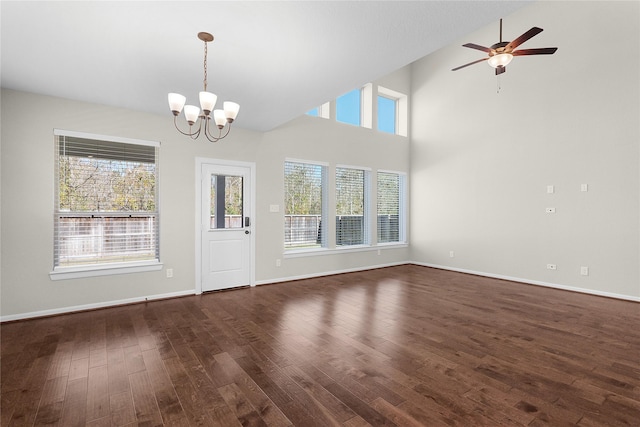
390	207
226	210
351	206
387	112
106	201
348	108
392	111
305	205
321	111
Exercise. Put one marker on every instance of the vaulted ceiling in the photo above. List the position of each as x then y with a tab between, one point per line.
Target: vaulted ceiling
277	59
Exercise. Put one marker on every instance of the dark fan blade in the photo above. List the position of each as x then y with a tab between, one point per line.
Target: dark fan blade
500	69
523	38
478	47
470	63
539	51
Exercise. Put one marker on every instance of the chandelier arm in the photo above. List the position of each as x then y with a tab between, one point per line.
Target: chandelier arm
192	135
228	126
209	136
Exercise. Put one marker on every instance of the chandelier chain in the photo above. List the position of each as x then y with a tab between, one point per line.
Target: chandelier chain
205	66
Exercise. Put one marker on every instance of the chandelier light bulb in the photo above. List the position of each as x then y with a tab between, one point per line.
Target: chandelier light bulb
220	118
191	112
207	102
231	110
176	102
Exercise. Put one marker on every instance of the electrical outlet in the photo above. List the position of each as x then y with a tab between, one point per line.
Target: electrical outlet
550	189
169	273
551	267
584	271
451	254
278	262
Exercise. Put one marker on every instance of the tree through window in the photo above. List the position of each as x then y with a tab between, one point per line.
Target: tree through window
106	207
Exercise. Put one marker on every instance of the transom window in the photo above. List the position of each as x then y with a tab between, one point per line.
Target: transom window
348	108
387	112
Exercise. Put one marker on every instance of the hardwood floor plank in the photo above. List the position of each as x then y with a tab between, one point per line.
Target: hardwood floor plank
144	401
117	372
121	409
78	368
165	393
335	409
244	386
98	393
405	345
244	412
189	397
75	402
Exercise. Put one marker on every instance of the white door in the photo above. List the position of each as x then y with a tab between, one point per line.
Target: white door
225	227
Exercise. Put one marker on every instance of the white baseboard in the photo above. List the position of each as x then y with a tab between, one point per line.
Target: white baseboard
327	273
106	304
84	307
532	282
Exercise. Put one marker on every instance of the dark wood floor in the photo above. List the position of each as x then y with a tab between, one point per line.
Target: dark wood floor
405	346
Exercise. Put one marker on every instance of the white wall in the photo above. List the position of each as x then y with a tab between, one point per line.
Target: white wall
482	160
27	156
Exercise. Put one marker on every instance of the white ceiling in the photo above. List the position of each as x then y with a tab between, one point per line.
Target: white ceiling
277	59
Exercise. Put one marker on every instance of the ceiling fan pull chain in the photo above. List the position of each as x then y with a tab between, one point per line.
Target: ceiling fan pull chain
498	84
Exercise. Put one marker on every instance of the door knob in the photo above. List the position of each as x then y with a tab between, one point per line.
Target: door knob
246	231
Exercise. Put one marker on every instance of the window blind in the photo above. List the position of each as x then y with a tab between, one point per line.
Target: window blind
106	204
389	193
304	205
351	218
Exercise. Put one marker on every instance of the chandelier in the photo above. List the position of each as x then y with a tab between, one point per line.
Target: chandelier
222	118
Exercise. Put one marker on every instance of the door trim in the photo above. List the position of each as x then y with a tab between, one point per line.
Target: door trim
200	161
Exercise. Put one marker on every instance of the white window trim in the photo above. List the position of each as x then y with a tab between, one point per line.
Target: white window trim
366	106
84	135
402	105
403	208
342	249
62	273
106	269
367	207
325	203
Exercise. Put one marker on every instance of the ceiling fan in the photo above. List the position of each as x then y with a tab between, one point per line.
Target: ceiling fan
501	53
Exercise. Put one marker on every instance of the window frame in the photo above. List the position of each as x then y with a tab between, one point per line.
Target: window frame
321	111
402	208
361	115
401	110
324	206
104	268
366	202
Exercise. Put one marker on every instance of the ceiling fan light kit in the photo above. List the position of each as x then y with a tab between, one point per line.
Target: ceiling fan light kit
500	54
222	118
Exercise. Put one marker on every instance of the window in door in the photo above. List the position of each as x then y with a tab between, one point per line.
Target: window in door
226	202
